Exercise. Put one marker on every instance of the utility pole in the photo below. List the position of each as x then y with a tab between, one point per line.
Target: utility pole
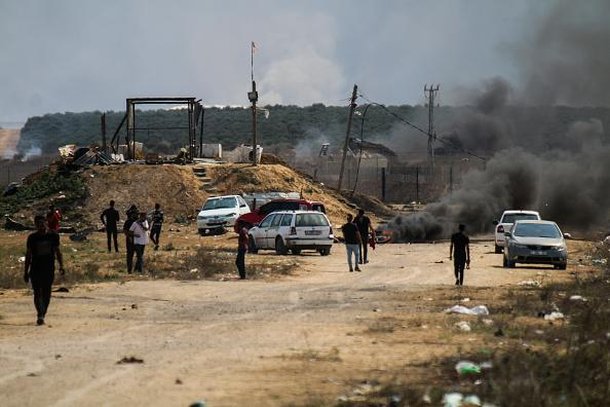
431	93
253	97
352	107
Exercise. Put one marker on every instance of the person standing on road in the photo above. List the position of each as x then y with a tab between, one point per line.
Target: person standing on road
139	229
242	248
42	248
132	216
110	217
53	218
364	226
156	222
352	239
460	249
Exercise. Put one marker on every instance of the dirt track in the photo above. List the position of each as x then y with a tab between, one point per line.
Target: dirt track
307	338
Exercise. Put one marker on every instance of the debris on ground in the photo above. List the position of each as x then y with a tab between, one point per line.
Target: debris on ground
460	309
554	316
529	283
463	326
130	359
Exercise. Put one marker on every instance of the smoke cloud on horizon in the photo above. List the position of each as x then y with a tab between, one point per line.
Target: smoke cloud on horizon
565	176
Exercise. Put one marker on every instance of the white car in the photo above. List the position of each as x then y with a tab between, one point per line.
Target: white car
219	213
535	242
506	222
292	230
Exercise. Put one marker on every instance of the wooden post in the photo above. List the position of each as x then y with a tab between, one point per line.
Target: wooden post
352	106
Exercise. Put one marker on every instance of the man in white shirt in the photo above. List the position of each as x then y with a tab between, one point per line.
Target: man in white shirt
139	230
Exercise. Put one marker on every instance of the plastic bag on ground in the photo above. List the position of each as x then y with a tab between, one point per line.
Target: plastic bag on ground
460	309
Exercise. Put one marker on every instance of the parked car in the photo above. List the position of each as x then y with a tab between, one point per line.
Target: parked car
535	242
506	222
220	212
292	230
283	204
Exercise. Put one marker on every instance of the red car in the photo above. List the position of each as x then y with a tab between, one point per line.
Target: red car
284	204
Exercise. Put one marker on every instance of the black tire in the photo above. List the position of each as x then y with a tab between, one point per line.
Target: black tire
510	264
499	249
252	245
504	262
561	266
296	252
325	251
280	247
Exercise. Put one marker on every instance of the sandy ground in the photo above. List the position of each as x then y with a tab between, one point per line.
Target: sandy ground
307	338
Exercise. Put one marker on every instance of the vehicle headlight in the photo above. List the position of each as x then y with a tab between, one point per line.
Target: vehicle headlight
231	215
560	248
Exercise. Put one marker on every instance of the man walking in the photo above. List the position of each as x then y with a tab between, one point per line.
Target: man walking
242	248
132	216
156	221
352	239
460	249
41	252
364	226
139	229
110	217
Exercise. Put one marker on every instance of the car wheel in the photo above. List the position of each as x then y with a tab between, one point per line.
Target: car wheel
504	262
324	252
561	266
252	245
296	252
510	264
499	249
280	247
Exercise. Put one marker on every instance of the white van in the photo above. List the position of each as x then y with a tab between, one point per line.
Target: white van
219	213
509	217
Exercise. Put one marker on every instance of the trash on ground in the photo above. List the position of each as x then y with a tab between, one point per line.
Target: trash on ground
61	290
578	298
463	326
553	316
465	367
529	283
460	309
130	359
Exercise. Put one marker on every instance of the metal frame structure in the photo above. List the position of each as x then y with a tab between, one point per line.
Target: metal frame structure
195	116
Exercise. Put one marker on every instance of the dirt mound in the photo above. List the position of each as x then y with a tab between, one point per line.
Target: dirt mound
175	187
181	193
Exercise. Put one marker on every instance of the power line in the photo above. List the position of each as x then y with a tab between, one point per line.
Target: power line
419	129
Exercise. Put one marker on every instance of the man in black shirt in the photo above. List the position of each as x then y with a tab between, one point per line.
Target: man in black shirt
352	242
42	249
460	249
156	222
364	226
110	217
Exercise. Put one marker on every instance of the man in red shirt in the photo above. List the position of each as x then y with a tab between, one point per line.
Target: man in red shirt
242	248
53	218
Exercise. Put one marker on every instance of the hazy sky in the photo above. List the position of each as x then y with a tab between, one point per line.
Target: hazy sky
82	55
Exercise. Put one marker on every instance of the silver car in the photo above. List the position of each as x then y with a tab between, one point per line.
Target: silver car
292	230
535	242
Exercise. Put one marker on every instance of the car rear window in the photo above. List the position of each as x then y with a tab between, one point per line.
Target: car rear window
537	230
220	203
311	219
513	217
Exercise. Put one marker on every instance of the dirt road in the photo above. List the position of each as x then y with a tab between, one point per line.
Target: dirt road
307	338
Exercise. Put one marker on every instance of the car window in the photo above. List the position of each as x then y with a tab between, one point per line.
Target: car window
536	230
311	219
276	220
241	201
267	208
219	203
319	208
286	220
513	217
267	221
